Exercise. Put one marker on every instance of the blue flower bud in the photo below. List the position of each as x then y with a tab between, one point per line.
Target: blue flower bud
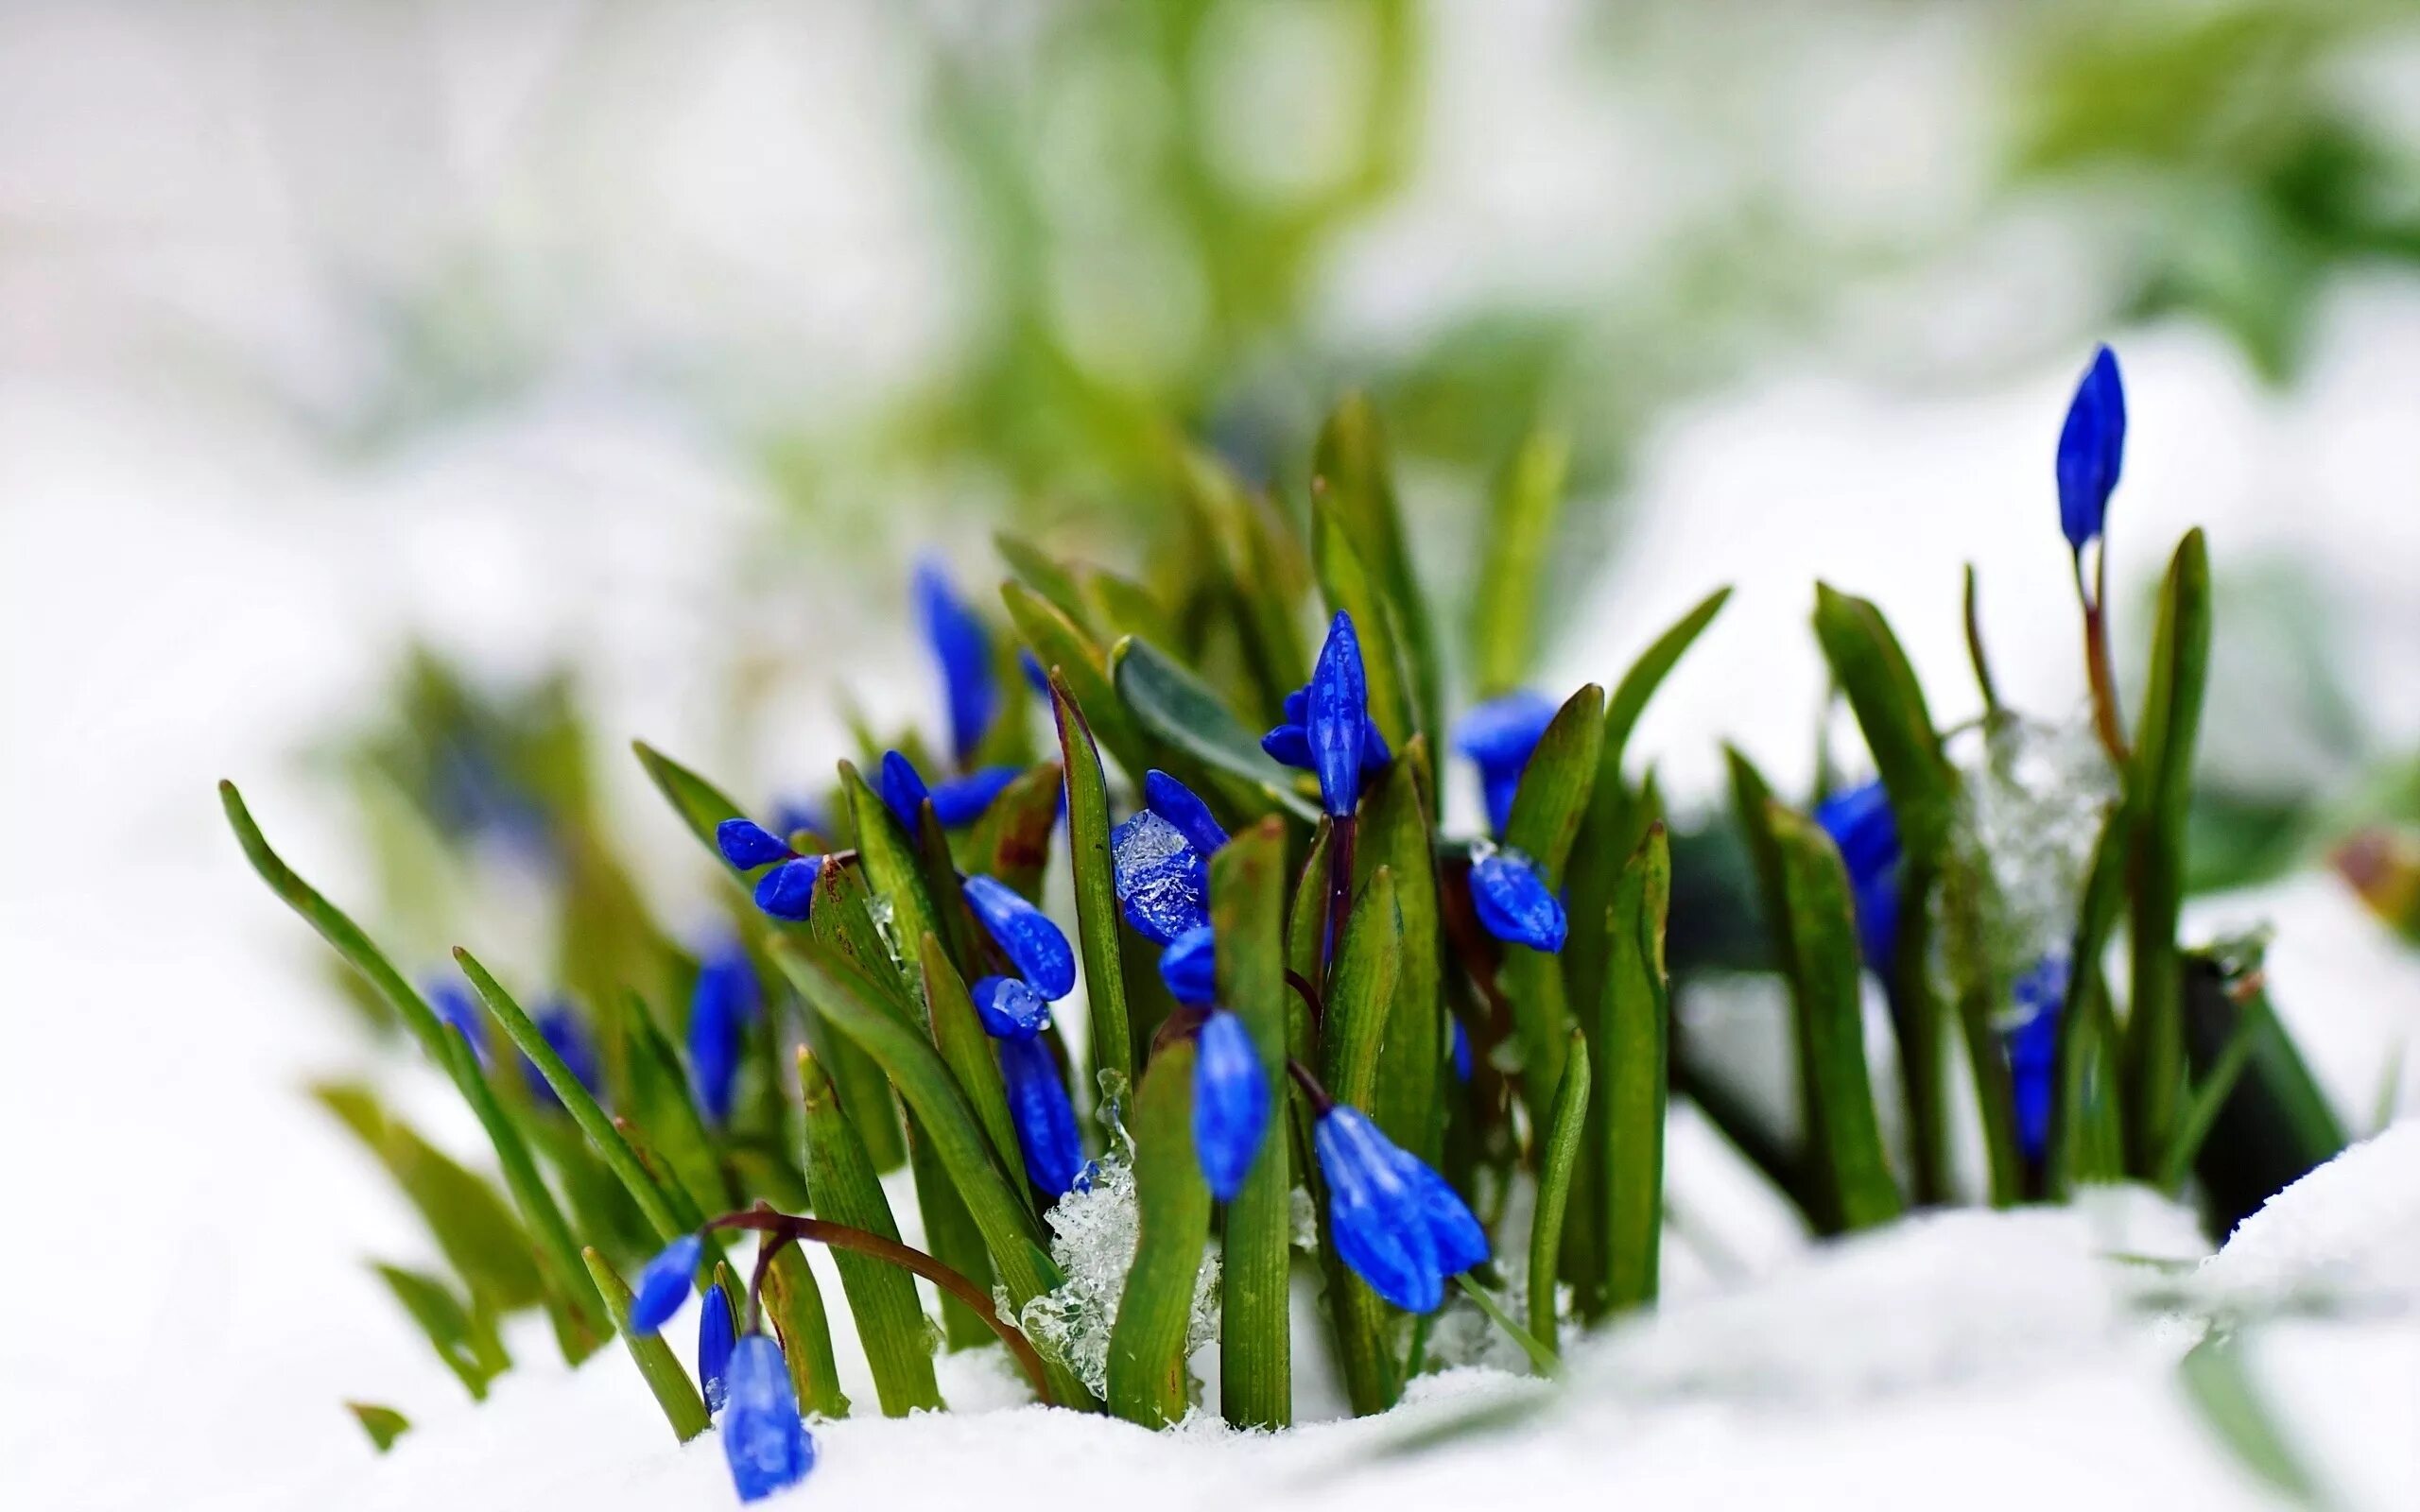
1397	1222
1179	805
1327	727
963	799
722	1005
1045	1121
1498	736
2033	1051
1462	1054
1514	903
716	1337
2092	448
1189	967
963	648
1030	940
1009	1009
562	1032
764	1439
1230	1104
1861	823
749	845
1163	881
904	791
665	1285
788	891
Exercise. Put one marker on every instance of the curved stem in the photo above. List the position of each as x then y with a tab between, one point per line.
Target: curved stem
840	1236
2096	655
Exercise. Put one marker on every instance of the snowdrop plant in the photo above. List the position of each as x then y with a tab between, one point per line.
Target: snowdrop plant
1282	976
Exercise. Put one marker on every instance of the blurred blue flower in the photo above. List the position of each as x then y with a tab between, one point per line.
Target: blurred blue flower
459	1012
1033	943
793	814
1497	736
904	791
562	1032
1010	1008
1513	903
716	1337
722	1005
1045	1121
1462	1054
963	648
1397	1222
2092	448
2033	1051
1230	1104
1859	821
1327	729
1161	859
1035	676
665	1285
764	1438
959	800
1189	967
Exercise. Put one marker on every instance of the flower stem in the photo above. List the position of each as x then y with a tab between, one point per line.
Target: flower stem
2096	651
1339	883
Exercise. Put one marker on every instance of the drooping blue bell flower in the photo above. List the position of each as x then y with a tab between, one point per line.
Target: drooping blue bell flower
561	1030
1010	1008
764	1438
1498	736
785	891
1161	860
1044	1119
716	1337
1327	729
458	1012
1514	903
1230	1104
2033	1051
2092	448
1190	967
1033	943
963	648
722	1006
1861	823
1397	1222
665	1285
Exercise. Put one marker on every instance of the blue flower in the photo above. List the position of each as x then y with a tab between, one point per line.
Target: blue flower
1859	821
763	1437
716	1337
665	1285
749	845
1190	967
1514	903
963	648
1497	736
456	1011
788	891
793	814
1397	1222
959	801
1327	729
1010	1008
903	790
1030	940
1230	1104
1462	1054
561	1027
2092	448
1161	859
1045	1121
723	1004
2033	1051
1038	679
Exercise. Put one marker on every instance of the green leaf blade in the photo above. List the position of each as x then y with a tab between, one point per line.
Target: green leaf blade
1147	1376
1247	915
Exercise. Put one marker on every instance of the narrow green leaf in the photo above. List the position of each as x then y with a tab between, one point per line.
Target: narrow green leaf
1541	1357
958	1032
1566	1129
1368	962
1547	808
1350	483
1146	1383
1396	833
842	920
673	1390
952	1238
1096	885
477	1232
1045	577
383	1424
1518	532
1264	576
894	871
2159	790
1180	709
1351	586
794	1305
667	1109
2277	1125
841	1182
1061	646
1124	606
701	804
1636	1049
1873	672
559	1258
1822	925
2220	1391
1307	915
2210	1093
1247	914
466	1344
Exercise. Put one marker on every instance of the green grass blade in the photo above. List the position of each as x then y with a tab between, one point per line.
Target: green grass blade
2087	1062
794	1305
667	1109
1368	962
1351	485
1096	884
700	806
383	1424
1873	672
1061	646
841	1182
466	1345
1396	833
950	1237
893	871
1181	710
1248	912
1542	1358
1264	576
559	1258
1147	1381
958	1032
1567	1129
2159	789
673	1390
1518	533
1350	586
474	1229
2220	1389
842	923
1636	1051
1307	915
1548	809
1045	577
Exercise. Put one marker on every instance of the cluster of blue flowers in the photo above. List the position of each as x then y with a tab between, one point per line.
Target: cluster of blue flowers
746	1382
